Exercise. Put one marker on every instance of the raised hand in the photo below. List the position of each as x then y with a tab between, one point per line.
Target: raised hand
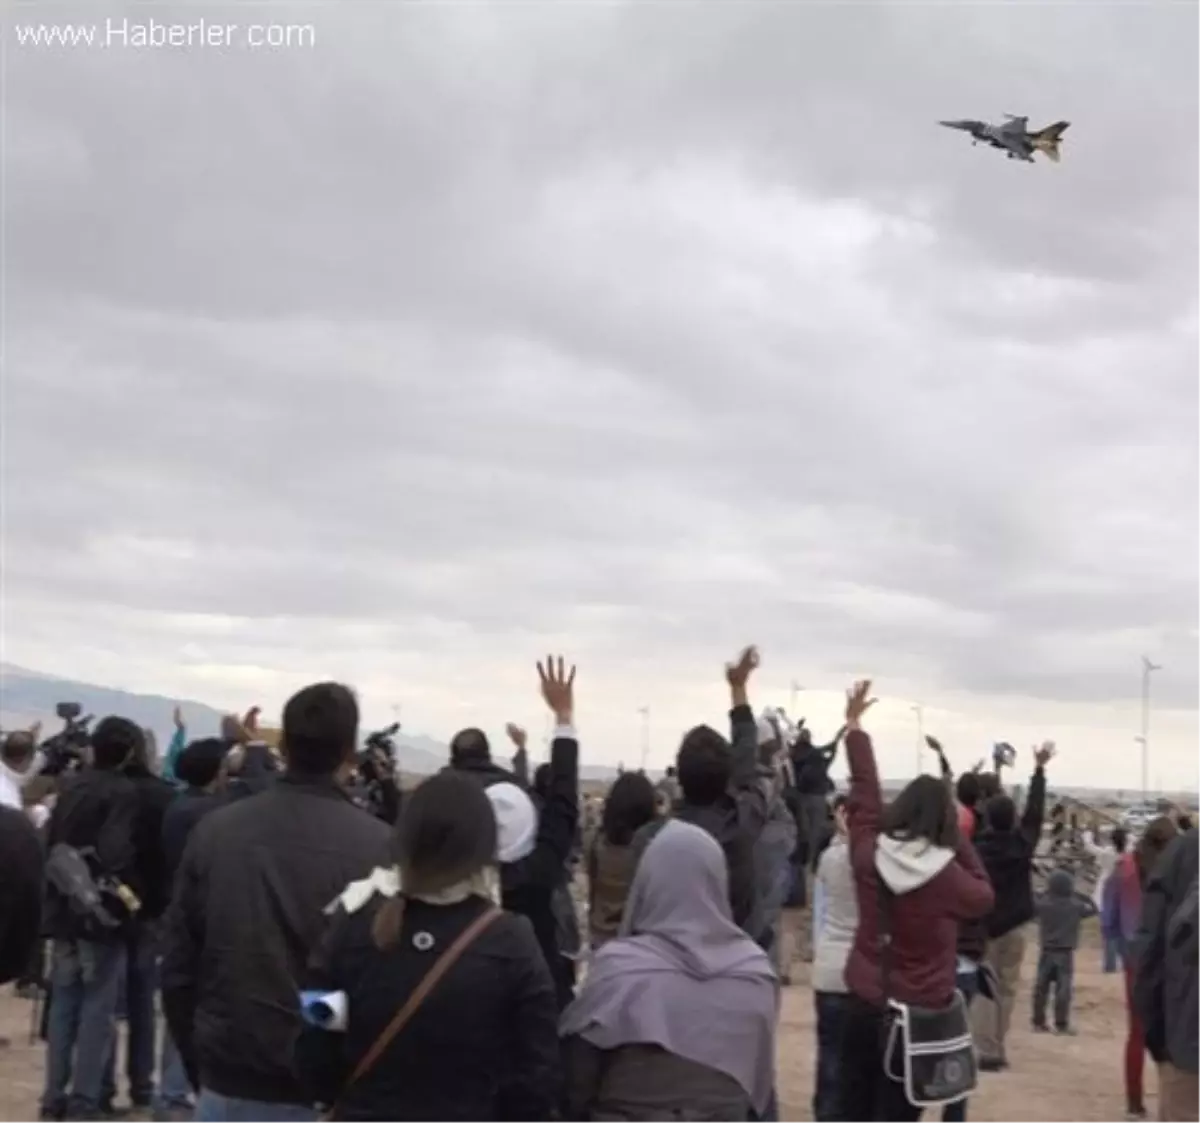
1045	754
177	717
35	732
516	735
558	689
250	721
858	702
738	674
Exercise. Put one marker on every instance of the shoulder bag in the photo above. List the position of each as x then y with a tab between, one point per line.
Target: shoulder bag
404	1015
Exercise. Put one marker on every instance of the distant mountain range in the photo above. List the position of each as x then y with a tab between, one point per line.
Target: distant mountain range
27	696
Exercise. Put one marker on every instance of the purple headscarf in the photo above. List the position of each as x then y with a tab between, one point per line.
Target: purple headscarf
680	974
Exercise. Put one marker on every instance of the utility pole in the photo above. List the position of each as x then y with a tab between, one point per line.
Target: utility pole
1148	668
920	734
645	712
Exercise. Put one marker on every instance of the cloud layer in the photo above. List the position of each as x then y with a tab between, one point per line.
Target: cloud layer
638	330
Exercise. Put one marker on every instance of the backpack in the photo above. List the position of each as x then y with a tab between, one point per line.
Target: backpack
98	908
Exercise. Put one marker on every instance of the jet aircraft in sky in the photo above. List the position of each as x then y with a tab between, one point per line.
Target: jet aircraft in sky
1014	137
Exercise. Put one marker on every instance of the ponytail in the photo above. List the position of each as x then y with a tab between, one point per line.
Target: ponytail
388	923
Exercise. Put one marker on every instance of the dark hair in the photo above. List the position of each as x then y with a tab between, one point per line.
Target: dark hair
967	789
1184	823
839	801
630	804
989	785
923	810
320	728
1155	839
469	745
116	741
446	833
1120	839
705	765
541	781
200	763
18	747
1001	813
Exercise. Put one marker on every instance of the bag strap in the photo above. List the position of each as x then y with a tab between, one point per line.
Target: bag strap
404	1015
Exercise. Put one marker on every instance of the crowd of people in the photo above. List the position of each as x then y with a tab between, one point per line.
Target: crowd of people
321	950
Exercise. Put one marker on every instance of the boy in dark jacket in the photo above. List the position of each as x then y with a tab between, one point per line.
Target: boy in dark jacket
1060	912
1006	848
727	793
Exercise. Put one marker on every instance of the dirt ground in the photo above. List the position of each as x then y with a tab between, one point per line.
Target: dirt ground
1052	1078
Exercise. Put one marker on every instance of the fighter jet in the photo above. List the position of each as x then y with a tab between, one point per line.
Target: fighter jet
1014	137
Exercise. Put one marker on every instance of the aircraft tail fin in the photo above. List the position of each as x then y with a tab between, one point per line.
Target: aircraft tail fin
1048	140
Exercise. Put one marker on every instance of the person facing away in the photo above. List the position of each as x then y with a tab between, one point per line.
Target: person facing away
631	804
1165	986
249	903
534	846
833	937
727	793
21	762
1120	919
676	1018
96	812
483	1044
1106	858
1060	912
1006	848
911	860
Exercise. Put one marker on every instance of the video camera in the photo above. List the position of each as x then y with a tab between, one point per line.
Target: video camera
64	751
375	766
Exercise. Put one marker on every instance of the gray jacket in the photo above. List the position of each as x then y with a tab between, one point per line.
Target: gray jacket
838	920
1060	911
1168	944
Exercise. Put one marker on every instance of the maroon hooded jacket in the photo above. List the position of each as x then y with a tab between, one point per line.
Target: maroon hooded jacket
933	890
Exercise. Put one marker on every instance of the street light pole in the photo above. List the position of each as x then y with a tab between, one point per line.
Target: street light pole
1148	668
645	712
920	734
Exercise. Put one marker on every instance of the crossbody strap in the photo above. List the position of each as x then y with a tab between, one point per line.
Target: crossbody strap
404	1015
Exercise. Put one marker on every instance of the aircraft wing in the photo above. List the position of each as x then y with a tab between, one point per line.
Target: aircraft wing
966	126
1016	124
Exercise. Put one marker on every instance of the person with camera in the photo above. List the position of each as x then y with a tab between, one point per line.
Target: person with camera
92	895
20	762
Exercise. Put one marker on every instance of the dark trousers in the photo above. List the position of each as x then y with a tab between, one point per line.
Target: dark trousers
831	1010
968	987
866	1091
1055	969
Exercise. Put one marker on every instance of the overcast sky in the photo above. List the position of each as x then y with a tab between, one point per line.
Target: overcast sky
636	330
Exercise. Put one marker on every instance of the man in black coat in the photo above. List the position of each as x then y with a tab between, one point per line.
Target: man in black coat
250	899
21	865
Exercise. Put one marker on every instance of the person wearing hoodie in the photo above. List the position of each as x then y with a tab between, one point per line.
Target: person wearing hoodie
1006	848
533	849
911	861
1060	911
833	937
1165	986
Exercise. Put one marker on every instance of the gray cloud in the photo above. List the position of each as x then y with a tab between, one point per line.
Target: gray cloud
647	328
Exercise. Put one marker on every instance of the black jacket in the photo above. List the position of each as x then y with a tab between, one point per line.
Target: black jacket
1168	946
154	796
483	1045
1007	856
21	865
735	821
528	885
249	905
96	809
810	765
180	819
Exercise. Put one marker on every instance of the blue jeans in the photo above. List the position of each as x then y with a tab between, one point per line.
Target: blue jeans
827	1098
1112	955
85	980
136	1007
174	1088
214	1108
967	981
